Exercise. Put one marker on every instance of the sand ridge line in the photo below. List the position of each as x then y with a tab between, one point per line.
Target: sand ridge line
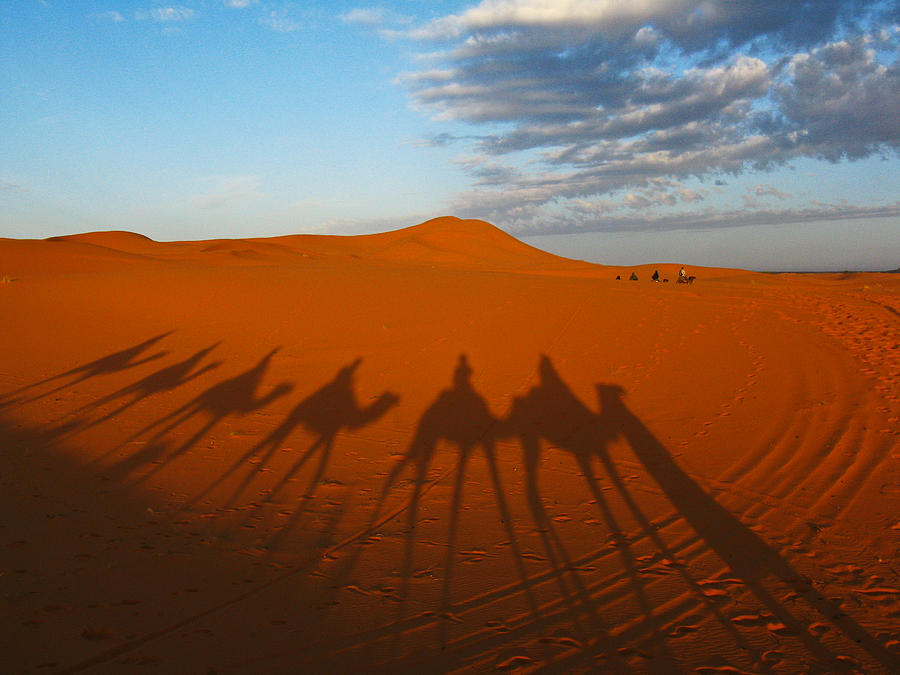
855	447
845	428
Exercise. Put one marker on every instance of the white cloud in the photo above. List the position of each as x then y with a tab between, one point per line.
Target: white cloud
374	16
378	18
238	4
598	98
688	195
112	15
165	14
278	20
634	201
593	13
842	101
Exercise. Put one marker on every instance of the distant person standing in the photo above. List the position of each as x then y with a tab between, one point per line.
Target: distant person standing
682	275
655	276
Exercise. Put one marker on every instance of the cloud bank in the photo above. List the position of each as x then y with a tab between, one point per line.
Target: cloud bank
590	109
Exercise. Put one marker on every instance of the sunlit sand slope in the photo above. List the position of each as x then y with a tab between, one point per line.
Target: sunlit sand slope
441	450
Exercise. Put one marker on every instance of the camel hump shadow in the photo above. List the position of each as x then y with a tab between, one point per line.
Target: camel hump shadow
238	394
335	406
324	413
551	412
122	360
459	414
178	373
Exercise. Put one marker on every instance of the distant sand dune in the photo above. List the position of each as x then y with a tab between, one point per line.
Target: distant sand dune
439	449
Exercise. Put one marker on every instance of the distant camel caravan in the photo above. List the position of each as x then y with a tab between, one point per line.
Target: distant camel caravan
682	278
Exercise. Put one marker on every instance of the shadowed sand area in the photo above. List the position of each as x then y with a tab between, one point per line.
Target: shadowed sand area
441	450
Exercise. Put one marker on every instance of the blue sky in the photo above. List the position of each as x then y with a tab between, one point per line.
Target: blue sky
754	134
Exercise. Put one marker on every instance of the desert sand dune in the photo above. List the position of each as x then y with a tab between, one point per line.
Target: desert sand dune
439	449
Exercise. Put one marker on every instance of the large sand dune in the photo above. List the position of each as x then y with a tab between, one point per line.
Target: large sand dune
439	449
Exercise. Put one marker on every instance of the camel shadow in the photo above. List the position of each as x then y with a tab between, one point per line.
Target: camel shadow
106	365
233	396
549	413
552	413
164	380
459	416
326	412
549	419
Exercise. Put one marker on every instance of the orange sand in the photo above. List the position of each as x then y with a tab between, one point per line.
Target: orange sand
437	450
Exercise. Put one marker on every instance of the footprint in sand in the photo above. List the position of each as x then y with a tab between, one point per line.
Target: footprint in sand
848	663
473	556
721	669
880	592
846	569
515	662
778	628
680	631
530	555
819	628
750	619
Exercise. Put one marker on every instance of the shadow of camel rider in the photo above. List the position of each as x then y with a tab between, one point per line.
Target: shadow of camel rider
460	416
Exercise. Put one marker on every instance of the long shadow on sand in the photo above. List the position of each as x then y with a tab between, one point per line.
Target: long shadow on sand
164	380
461	417
545	421
749	558
111	363
549	418
234	396
326	412
550	412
